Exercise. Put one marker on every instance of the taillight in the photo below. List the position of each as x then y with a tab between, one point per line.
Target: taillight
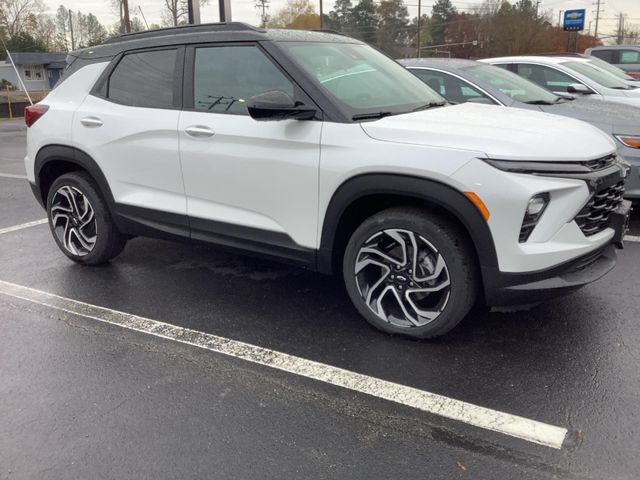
33	112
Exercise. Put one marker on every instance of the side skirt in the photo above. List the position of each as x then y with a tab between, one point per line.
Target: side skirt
277	246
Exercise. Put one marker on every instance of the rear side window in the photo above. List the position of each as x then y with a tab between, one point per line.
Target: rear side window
144	79
450	87
606	55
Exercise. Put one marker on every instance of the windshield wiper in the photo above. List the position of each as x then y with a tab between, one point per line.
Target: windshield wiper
429	105
370	116
540	102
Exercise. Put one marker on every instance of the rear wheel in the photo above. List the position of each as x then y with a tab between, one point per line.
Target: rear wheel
80	220
410	272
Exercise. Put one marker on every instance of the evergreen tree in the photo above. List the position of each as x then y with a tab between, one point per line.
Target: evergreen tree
441	14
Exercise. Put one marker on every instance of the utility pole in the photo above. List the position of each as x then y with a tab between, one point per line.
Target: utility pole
597	12
224	7
73	42
321	14
263	5
620	35
127	23
193	9
419	25
143	17
560	17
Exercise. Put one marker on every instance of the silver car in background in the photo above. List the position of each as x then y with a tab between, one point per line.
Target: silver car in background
461	81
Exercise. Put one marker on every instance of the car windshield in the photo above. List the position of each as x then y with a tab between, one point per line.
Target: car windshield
602	78
510	84
612	69
361	79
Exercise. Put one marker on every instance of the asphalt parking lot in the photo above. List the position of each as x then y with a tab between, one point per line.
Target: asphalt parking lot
82	397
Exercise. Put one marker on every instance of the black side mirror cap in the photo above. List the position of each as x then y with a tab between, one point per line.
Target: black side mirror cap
277	105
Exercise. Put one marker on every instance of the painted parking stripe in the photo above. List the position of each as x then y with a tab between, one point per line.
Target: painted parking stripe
23	225
515	426
13	175
632	238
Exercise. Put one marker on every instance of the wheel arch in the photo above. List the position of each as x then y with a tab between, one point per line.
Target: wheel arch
360	197
54	160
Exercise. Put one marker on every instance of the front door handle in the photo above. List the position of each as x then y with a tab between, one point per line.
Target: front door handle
199	131
91	122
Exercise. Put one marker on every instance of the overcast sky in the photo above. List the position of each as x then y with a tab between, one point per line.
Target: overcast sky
244	10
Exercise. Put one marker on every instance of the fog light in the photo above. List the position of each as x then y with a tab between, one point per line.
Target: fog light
535	209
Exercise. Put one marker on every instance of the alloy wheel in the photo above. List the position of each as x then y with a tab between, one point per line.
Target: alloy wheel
402	278
73	220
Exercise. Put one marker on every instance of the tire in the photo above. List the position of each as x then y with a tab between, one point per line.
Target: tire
421	299
80	221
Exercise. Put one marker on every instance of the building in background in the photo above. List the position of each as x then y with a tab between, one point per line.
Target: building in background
39	71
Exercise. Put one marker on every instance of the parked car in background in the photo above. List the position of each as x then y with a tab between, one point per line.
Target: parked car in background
601	65
572	75
627	57
461	81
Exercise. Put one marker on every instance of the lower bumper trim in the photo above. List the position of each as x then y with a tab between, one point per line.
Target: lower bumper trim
507	289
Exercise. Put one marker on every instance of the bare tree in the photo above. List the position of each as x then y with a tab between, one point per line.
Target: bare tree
176	12
17	15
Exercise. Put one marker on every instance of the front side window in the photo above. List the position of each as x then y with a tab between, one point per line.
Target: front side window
144	79
226	77
510	84
361	79
606	55
630	56
546	77
452	88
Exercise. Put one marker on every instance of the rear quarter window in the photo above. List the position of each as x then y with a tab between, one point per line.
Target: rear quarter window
144	79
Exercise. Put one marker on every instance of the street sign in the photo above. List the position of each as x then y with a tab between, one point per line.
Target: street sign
574	20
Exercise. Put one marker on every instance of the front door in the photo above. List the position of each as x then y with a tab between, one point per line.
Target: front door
248	183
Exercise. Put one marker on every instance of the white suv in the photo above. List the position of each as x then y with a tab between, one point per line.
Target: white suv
316	149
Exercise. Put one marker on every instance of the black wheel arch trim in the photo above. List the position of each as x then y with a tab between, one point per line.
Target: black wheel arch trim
422	189
52	153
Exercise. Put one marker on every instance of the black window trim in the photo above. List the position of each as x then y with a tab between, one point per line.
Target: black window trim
474	86
101	87
189	76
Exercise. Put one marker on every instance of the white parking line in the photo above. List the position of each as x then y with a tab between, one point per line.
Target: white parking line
13	175
515	426
23	225
632	238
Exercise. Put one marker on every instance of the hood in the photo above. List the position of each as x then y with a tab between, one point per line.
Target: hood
498	132
612	117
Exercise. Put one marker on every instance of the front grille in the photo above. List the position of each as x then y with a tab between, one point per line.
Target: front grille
594	217
600	163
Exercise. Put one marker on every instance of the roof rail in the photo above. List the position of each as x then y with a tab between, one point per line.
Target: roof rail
560	54
199	28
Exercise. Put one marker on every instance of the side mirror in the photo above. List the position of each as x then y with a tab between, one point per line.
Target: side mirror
579	88
277	105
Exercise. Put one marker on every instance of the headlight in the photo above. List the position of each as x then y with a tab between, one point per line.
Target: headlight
535	208
632	141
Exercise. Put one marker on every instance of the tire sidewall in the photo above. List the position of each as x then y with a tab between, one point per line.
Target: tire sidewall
448	242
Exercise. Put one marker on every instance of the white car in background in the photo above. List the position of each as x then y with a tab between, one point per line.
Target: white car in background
570	74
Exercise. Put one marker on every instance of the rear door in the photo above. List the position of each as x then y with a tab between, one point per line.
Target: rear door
129	126
248	183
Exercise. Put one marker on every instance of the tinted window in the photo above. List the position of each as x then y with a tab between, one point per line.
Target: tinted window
606	55
629	56
603	78
547	77
226	77
450	87
144	79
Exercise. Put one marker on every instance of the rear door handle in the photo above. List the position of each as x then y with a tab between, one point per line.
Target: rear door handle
91	122
199	131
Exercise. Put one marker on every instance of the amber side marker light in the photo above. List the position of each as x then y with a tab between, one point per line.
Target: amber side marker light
629	140
479	204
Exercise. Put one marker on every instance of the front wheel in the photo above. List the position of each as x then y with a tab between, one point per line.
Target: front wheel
410	272
80	221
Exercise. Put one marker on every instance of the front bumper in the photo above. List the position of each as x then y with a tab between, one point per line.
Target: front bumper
632	157
507	289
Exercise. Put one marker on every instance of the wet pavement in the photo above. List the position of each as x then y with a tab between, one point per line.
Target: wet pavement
84	399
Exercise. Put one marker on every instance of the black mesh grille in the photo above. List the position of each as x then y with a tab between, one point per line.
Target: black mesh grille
594	217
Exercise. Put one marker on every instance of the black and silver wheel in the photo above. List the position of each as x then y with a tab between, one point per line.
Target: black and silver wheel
80	221
410	272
